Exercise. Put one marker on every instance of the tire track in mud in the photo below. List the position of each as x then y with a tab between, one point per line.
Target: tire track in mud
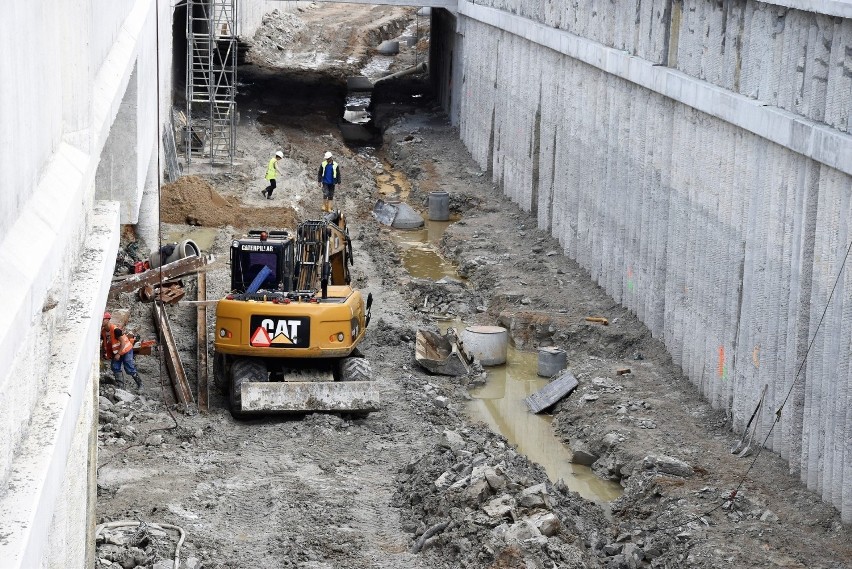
403	431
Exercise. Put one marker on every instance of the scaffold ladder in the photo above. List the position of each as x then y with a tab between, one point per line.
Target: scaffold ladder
211	80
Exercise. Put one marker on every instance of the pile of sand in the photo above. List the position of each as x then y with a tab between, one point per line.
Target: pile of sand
193	201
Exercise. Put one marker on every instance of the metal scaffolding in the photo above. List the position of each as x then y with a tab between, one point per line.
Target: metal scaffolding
211	80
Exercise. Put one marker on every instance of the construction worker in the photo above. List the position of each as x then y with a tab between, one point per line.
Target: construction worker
109	341
327	177
272	174
124	357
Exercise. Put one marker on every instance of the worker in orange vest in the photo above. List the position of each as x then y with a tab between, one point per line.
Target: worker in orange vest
124	357
109	341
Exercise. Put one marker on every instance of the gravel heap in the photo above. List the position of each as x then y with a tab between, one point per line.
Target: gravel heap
475	501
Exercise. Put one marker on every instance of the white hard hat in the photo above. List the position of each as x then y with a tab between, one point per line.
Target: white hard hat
327	155
279	154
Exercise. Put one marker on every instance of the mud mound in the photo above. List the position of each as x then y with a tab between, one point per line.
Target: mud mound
192	200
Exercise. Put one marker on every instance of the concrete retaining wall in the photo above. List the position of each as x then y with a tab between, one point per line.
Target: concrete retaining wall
720	219
81	76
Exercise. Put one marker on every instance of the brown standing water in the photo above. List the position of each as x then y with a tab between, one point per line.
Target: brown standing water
500	403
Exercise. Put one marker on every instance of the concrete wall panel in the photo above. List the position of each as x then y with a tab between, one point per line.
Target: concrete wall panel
31	114
107	17
763	50
725	242
71	64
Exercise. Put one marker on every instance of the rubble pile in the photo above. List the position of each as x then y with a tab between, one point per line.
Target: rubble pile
476	501
445	297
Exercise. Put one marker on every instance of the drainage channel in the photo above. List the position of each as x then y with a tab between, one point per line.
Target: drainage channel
500	402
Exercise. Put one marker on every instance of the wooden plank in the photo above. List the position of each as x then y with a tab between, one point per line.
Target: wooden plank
181	267
203	395
552	392
182	391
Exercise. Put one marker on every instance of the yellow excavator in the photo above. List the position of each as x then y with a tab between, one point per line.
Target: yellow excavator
287	333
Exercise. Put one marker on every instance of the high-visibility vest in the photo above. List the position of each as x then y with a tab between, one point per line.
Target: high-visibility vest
325	179
126	345
271	172
110	344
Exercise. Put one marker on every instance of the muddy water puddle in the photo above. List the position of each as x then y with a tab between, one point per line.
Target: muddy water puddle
419	251
393	184
500	404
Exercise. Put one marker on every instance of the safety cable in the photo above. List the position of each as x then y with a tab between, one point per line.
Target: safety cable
735	491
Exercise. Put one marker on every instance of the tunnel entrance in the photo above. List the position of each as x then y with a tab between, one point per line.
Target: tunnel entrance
358	93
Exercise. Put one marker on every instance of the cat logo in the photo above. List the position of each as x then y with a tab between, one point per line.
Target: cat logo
276	332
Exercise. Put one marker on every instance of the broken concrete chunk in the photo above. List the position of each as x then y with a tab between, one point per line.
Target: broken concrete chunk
125	396
452	440
546	522
523	531
668	465
444	481
499	507
633	551
610	440
581	454
477	492
495	480
533	497
479	472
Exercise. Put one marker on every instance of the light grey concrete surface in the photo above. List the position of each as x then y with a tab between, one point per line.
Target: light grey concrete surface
50	470
702	174
82	76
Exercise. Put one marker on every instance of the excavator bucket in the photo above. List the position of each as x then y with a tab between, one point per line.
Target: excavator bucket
444	355
306	396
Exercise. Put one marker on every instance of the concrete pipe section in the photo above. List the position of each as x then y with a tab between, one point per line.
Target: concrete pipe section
439	206
174	252
551	361
488	344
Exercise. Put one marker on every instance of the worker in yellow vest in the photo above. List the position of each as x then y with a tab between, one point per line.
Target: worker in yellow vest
328	176
272	173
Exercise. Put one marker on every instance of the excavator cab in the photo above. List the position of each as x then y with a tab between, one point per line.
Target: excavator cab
270	253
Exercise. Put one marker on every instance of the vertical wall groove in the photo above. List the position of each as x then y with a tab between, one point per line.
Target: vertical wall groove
725	244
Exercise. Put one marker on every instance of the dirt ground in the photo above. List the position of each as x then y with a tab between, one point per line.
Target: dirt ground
418	484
